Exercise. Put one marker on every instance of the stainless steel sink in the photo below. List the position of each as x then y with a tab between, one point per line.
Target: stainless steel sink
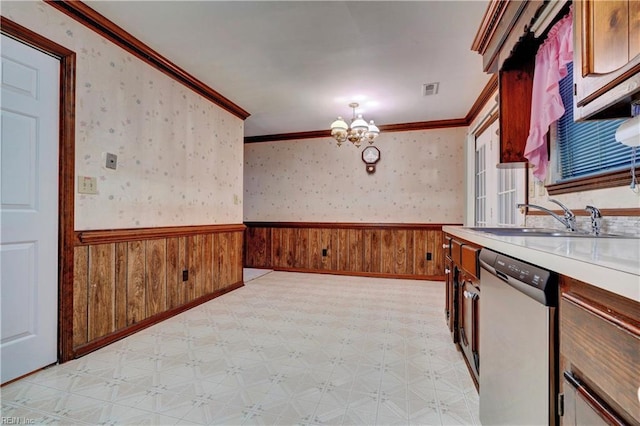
541	232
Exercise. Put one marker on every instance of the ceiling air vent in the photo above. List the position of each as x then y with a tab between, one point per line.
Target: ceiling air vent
429	89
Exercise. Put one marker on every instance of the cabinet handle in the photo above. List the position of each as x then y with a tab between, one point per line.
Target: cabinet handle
445	246
447	270
592	400
469	294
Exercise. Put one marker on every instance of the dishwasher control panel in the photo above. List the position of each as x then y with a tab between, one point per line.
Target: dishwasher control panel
530	279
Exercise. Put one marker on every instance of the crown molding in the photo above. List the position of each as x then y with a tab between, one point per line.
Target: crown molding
480	102
488	26
483	98
93	20
87	16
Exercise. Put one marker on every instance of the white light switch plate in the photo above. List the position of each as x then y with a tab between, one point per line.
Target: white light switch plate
87	185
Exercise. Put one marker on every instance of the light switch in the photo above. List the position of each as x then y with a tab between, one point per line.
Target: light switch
87	185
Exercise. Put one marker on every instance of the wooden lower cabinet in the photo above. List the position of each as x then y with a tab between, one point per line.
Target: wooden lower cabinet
389	250
468	323
451	297
462	308
122	281
599	355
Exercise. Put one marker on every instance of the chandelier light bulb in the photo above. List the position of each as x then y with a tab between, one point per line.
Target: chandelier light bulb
339	130
339	124
372	132
359	125
357	132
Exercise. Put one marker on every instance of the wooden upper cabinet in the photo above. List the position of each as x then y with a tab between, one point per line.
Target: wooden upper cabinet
515	110
508	48
606	57
605	36
634	29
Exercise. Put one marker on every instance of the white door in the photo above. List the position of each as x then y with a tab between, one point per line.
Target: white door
486	157
29	209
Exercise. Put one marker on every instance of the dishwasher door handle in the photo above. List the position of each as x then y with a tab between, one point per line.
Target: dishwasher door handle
502	276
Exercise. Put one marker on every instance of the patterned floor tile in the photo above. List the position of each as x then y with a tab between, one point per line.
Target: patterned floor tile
286	349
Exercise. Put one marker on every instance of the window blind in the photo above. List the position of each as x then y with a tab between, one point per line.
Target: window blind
587	148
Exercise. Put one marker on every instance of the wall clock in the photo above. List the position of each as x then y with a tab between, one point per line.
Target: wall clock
370	156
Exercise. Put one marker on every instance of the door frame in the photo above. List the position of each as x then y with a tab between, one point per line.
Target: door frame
66	172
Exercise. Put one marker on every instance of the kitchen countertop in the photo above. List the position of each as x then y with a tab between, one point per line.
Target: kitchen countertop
612	264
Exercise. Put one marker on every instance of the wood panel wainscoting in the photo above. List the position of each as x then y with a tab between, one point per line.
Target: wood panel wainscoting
128	279
388	250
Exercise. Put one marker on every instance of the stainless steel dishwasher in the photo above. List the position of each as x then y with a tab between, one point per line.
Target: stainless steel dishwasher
518	341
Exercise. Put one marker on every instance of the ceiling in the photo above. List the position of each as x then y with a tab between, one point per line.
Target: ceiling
295	66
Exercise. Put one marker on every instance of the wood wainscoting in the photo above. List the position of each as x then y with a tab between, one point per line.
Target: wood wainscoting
128	279
378	250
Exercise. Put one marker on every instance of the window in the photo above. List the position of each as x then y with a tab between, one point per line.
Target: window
511	184
481	186
587	148
498	187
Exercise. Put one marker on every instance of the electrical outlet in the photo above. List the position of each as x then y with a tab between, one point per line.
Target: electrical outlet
111	161
87	185
185	275
428	256
324	252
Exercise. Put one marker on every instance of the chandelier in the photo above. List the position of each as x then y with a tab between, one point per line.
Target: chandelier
356	133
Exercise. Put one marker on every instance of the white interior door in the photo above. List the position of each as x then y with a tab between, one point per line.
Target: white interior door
29	209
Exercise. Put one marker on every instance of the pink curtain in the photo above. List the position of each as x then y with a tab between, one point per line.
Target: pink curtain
546	105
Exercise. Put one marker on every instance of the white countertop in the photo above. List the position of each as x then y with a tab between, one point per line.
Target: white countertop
612	264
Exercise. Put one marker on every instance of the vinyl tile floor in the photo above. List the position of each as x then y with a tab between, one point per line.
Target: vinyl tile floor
285	349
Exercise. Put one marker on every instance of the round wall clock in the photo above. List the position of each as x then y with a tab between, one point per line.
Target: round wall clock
370	156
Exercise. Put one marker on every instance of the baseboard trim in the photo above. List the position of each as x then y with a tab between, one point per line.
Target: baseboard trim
148	322
358	274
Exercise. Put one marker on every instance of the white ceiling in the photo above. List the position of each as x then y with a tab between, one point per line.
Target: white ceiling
295	65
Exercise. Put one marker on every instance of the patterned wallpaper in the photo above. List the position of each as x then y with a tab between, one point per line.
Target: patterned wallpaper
179	155
419	179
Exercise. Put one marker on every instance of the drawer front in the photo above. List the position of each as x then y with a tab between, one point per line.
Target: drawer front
602	354
456	251
447	245
470	263
582	407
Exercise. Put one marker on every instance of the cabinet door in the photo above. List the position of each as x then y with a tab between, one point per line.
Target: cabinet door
451	274
634	29
605	36
516	88
468	324
582	407
600	345
606	69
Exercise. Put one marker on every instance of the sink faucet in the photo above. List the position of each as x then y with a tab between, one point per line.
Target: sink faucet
569	217
568	220
596	219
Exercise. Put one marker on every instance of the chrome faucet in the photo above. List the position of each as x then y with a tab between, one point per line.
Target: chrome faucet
569	217
596	219
568	220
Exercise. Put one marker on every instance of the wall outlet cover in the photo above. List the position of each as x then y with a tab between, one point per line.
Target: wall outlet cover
111	161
